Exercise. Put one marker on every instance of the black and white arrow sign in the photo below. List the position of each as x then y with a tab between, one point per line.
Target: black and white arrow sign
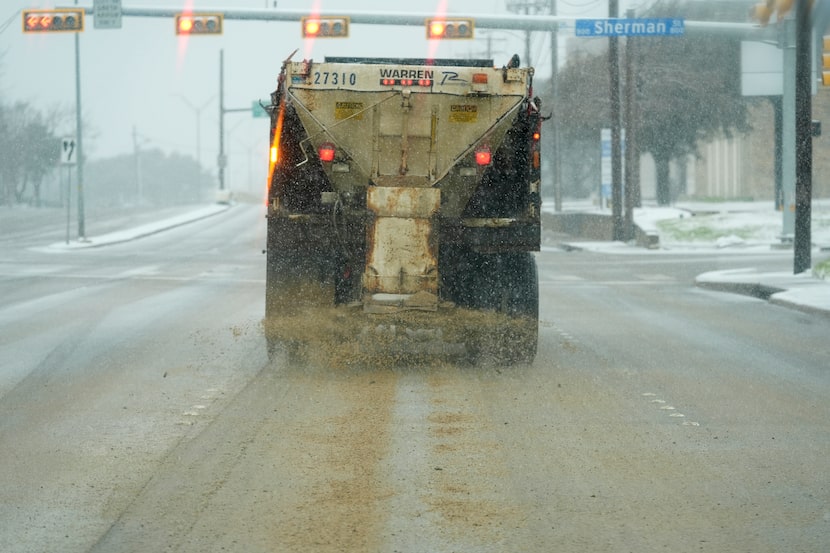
68	155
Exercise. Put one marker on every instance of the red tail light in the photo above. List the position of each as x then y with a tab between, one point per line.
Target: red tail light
483	156
326	151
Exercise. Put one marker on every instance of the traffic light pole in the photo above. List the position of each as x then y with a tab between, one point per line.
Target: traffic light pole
803	138
80	145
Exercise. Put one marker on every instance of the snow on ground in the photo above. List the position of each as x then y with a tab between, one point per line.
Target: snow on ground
702	226
727	224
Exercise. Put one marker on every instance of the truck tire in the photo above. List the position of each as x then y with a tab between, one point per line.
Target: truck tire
297	278
506	284
523	305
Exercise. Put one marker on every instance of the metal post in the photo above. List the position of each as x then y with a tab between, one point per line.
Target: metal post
778	115
616	148
221	160
139	184
68	198
804	138
788	127
81	226
198	112
630	136
554	133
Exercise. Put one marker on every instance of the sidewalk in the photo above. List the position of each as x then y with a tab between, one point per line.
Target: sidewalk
140	231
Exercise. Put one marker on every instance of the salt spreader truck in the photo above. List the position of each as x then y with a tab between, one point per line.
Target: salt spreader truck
403	207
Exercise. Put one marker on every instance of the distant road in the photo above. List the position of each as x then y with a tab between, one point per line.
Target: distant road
139	412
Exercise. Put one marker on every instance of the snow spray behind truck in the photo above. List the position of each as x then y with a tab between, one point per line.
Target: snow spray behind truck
403	207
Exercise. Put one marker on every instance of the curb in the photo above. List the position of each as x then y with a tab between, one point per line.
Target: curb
791	292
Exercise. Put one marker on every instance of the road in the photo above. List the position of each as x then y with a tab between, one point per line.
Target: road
139	412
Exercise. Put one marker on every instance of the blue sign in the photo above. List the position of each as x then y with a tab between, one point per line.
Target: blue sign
629	27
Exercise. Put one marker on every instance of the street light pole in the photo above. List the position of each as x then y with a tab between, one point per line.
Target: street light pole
221	160
198	112
78	130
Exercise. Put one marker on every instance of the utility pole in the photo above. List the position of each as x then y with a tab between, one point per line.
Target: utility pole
616	147
538	6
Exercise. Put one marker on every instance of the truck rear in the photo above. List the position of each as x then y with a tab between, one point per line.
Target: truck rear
403	207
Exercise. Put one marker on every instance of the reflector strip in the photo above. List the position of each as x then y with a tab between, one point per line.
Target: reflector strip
406	82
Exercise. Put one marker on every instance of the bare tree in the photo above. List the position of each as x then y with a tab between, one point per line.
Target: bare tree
687	89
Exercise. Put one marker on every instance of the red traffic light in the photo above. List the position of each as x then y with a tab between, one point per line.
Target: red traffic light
450	28
199	24
325	27
53	21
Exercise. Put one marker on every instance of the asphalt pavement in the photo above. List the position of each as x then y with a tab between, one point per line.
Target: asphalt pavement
804	292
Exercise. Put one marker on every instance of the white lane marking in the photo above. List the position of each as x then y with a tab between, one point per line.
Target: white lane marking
664	407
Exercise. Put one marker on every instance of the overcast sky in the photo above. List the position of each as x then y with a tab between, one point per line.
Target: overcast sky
145	77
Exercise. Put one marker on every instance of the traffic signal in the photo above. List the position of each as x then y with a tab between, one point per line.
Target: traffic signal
825	62
763	12
53	21
199	23
325	27
450	28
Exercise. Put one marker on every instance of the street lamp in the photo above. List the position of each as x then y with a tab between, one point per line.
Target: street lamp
198	112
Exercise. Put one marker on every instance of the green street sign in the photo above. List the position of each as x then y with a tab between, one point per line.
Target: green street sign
257	109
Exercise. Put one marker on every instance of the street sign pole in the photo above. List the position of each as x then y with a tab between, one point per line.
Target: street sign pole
616	150
68	199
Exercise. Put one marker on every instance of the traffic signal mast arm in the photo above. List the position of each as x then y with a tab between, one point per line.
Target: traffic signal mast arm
487	21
